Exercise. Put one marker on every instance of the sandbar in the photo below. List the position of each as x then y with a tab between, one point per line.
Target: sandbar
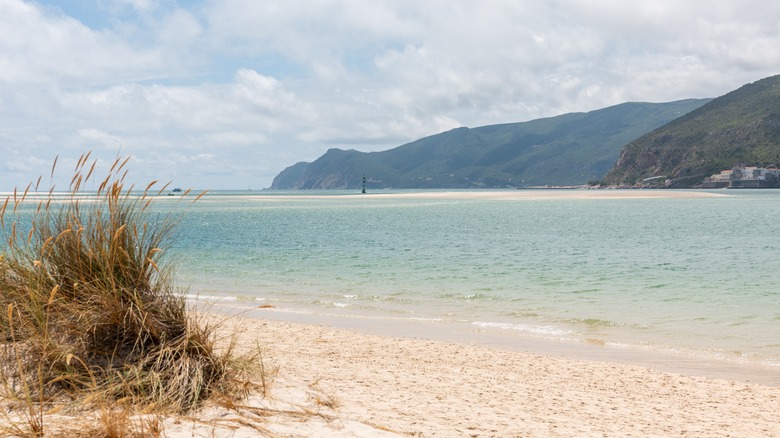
498	195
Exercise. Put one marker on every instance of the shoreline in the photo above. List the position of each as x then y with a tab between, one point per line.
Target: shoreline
352	384
466	333
503	195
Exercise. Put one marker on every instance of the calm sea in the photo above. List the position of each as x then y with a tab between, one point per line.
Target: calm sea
696	277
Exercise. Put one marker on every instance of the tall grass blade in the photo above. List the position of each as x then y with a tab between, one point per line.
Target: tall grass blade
91	309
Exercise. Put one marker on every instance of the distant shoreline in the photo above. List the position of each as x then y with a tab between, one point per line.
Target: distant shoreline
557	193
502	195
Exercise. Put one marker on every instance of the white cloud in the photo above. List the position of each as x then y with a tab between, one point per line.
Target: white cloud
58	50
100	139
139	5
180	29
227	93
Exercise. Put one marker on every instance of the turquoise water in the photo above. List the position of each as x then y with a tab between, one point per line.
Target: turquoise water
695	276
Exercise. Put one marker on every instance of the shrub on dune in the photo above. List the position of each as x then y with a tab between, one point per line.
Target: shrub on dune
89	310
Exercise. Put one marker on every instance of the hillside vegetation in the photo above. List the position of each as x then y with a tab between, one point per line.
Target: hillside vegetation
570	149
739	128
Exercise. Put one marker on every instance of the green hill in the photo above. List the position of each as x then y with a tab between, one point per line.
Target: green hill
570	149
739	128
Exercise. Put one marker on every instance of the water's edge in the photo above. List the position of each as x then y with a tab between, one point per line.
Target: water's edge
467	333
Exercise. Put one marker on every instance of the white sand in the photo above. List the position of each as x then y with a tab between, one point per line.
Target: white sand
334	382
340	383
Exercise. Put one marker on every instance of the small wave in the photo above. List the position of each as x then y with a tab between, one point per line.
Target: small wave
420	319
477	296
524	314
325	303
423	319
387	298
198	297
595	322
538	329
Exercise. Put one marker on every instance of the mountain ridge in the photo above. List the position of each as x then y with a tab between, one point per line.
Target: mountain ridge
741	127
569	149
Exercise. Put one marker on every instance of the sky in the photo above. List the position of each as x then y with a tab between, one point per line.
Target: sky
225	94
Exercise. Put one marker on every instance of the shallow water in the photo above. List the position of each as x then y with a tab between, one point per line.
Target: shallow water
694	277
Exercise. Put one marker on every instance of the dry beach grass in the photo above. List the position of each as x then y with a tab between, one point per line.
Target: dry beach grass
90	318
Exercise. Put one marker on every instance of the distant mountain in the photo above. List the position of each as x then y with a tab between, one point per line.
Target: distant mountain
739	128
570	149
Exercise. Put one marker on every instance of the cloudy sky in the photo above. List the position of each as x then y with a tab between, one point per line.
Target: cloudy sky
220	94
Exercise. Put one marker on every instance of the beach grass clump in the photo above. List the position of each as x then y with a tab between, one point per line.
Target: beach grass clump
89	313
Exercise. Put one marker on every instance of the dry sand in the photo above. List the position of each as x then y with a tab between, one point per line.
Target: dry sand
335	382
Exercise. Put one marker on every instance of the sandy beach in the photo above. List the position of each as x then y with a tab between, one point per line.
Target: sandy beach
337	382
